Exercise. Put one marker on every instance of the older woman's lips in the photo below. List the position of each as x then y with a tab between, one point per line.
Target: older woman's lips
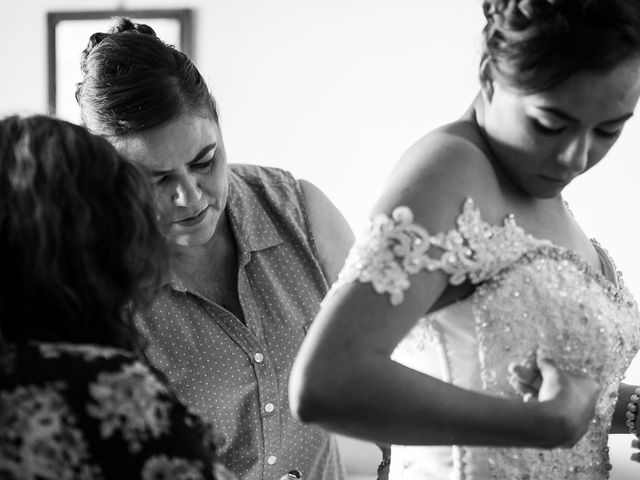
190	221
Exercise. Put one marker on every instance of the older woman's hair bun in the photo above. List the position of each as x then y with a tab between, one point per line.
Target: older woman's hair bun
134	82
120	25
123	24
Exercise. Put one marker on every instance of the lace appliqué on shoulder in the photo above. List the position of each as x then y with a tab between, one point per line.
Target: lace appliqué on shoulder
393	248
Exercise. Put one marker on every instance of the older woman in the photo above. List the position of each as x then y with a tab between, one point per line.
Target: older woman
252	252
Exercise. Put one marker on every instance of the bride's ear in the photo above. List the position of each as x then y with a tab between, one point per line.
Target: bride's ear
486	91
486	81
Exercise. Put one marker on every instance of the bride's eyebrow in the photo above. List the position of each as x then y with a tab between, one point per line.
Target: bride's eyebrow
570	118
622	118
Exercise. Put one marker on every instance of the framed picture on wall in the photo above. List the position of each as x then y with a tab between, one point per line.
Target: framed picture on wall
68	34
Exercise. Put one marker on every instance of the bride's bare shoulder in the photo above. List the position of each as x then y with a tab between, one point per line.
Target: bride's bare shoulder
453	151
450	159
441	170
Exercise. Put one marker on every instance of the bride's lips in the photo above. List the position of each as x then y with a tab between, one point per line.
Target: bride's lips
197	218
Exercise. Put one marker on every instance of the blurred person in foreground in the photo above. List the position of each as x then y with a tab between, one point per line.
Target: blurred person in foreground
79	250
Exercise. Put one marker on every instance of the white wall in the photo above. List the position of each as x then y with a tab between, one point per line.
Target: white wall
335	91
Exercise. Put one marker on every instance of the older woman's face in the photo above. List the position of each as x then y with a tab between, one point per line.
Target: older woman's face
544	140
188	165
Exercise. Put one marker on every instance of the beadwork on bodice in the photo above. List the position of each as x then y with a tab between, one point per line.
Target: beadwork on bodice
530	294
550	299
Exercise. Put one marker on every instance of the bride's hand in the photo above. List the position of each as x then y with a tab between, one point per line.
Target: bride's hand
525	377
568	397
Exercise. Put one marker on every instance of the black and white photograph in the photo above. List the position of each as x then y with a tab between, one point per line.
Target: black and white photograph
320	240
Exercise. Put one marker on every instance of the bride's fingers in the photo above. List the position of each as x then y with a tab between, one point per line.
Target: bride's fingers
524	389
521	387
525	374
515	384
536	382
528	377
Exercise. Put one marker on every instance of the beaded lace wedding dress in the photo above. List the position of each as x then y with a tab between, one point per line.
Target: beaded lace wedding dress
530	294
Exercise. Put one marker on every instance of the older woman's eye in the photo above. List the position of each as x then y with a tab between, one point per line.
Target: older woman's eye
161	180
203	165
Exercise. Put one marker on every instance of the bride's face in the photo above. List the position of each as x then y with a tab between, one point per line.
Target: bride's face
544	140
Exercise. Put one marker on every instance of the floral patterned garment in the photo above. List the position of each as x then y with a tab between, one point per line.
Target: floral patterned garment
86	412
530	294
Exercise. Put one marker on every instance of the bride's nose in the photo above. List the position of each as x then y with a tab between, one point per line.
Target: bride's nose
574	155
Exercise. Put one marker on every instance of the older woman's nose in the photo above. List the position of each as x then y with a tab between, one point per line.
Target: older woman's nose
187	192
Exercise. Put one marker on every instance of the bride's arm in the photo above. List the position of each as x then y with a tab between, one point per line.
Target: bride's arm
344	379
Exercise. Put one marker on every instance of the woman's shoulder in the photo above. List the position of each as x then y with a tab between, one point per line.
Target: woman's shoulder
438	173
259	175
263	184
453	152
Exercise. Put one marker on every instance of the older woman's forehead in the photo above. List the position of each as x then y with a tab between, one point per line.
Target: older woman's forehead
172	145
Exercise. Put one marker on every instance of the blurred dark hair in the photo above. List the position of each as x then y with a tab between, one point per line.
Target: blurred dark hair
79	246
533	45
133	81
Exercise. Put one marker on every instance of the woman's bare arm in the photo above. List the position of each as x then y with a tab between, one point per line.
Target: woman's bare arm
344	378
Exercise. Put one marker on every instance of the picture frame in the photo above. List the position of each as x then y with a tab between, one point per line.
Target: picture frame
68	34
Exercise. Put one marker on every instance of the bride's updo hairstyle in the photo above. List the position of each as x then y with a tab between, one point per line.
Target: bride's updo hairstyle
133	81
532	45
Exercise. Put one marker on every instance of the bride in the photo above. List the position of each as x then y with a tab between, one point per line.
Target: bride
472	230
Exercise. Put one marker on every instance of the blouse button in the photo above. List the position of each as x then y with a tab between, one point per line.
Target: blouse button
272	460
269	407
258	357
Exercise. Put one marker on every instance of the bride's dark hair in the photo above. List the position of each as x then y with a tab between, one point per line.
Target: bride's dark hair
79	246
533	45
133	81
